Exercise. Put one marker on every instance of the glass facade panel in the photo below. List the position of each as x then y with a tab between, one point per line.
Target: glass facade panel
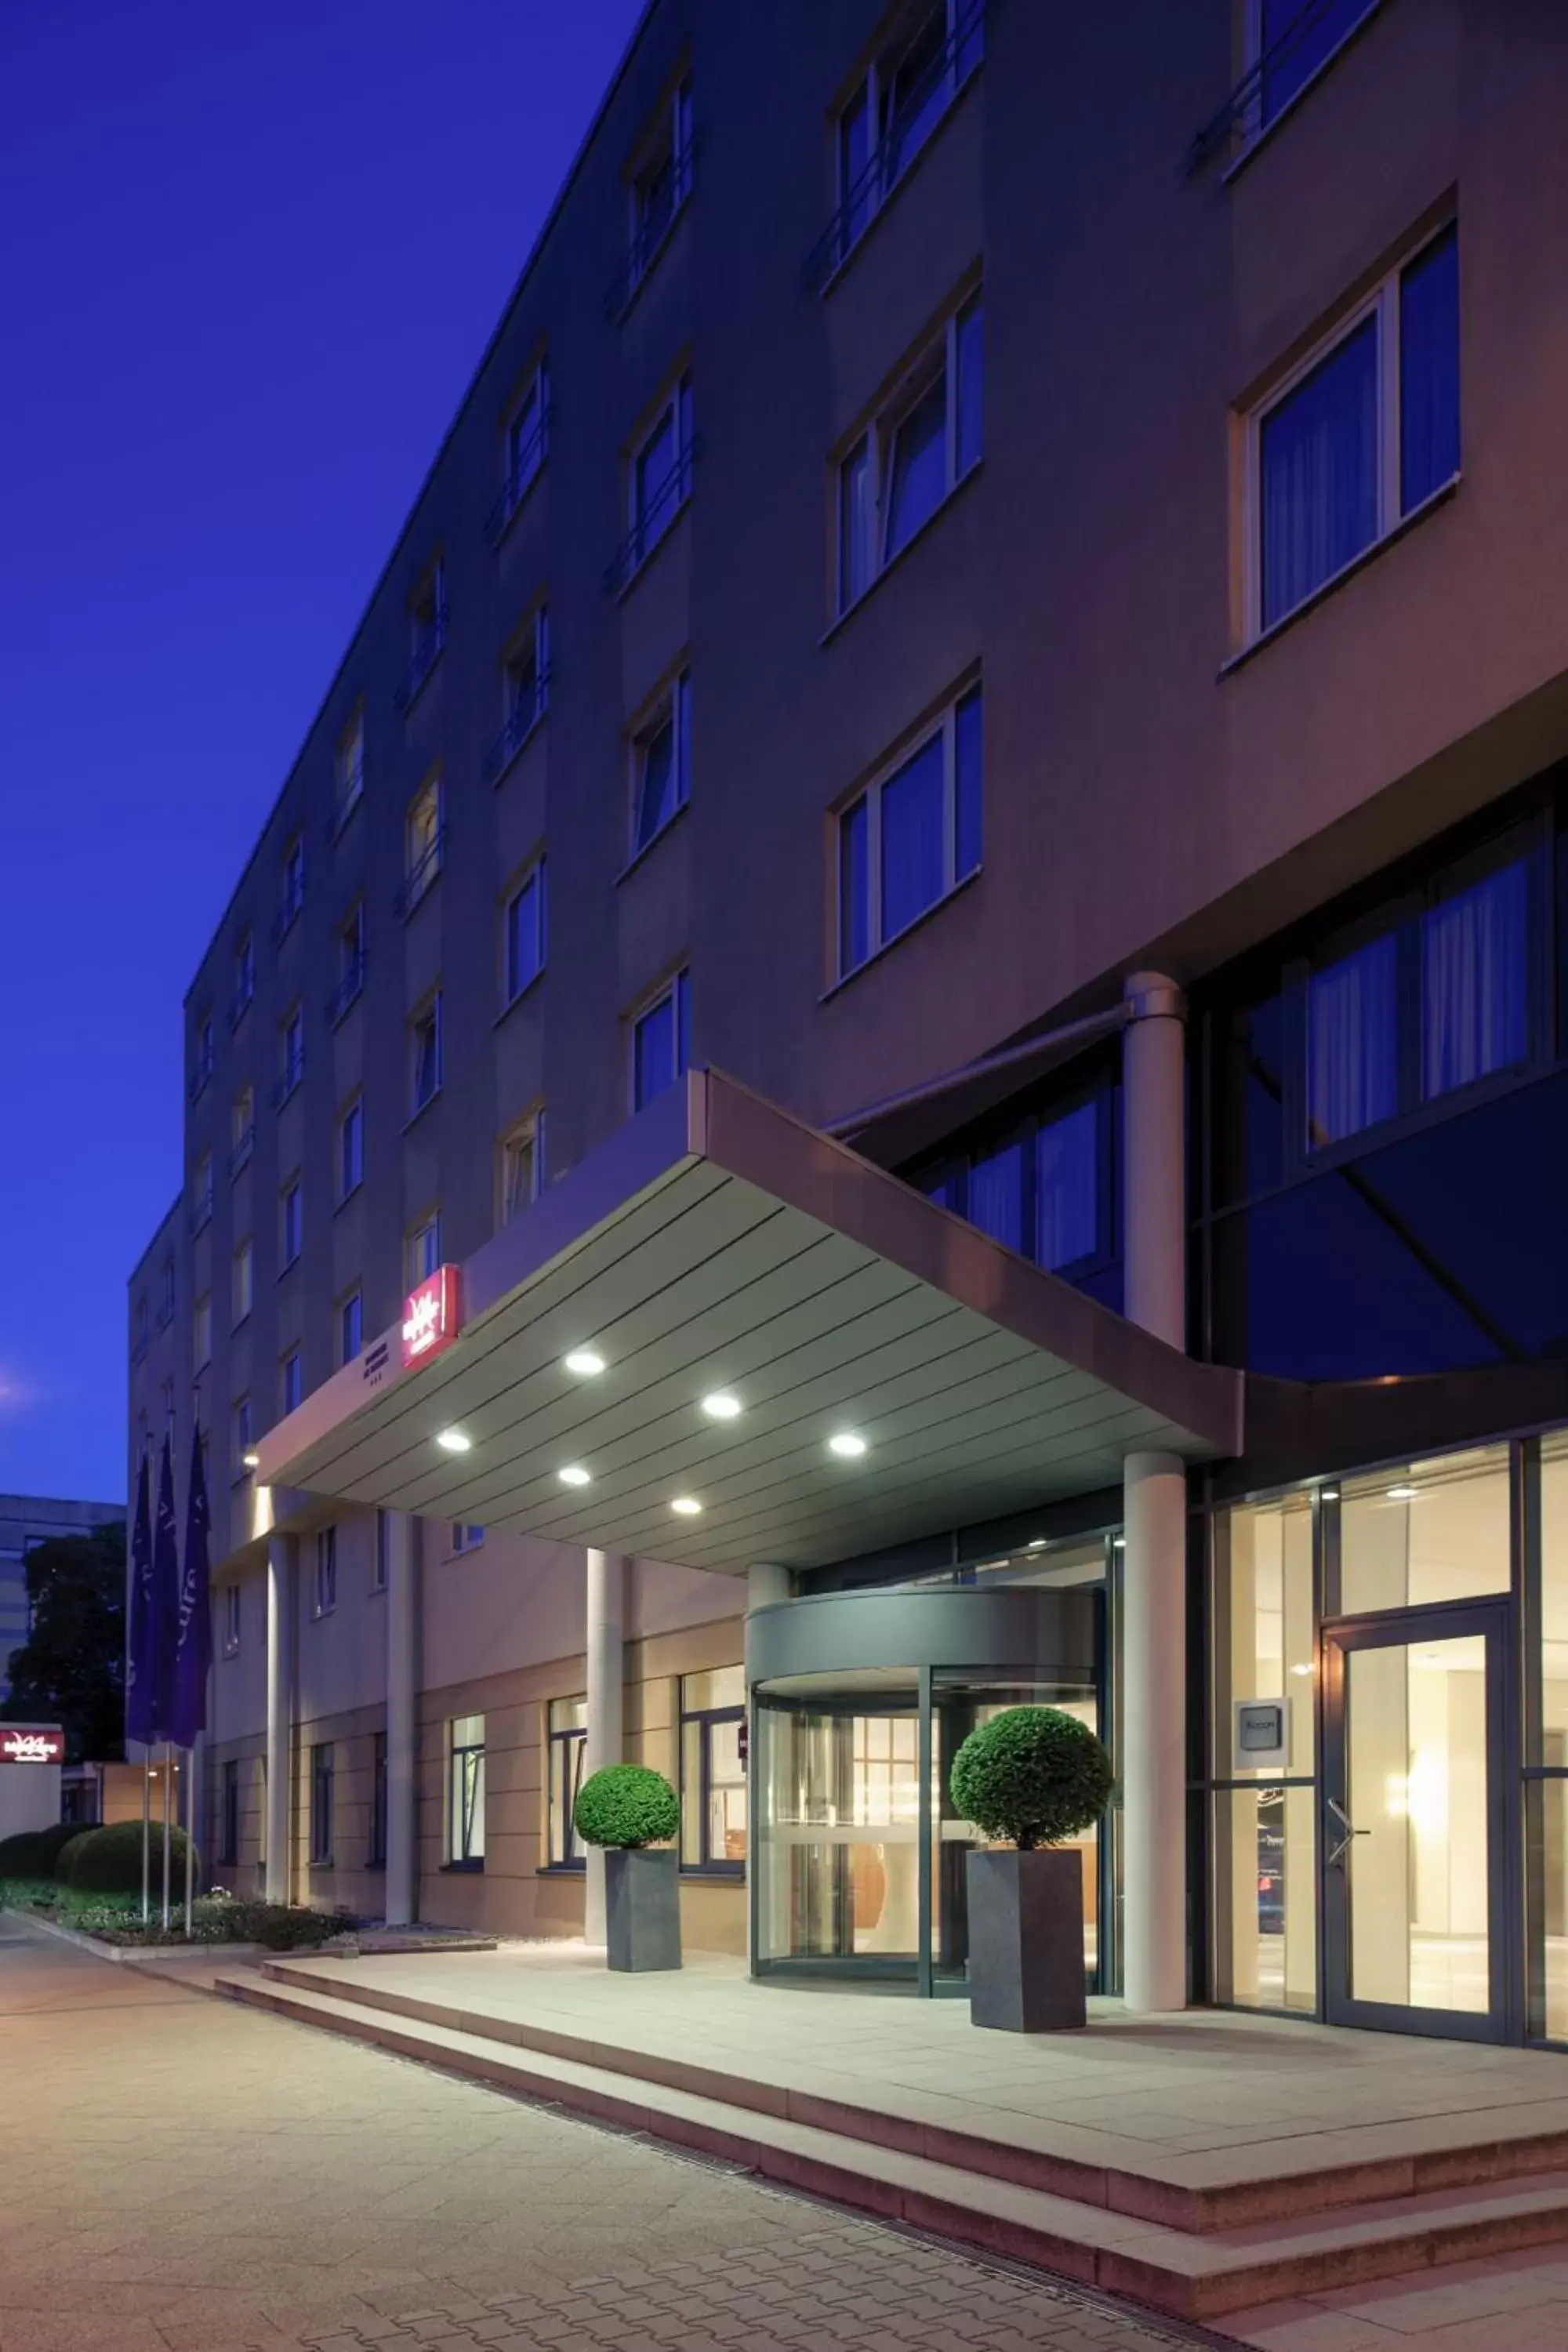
1318	469
839	1858
912	809
1553	1602
1430	371
1436	1531
1265	1897
1263	1626
1353	1042
1475	982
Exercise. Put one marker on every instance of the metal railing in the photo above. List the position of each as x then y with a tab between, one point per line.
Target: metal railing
244	1145
521	720
1247	111
520	481
947	73
347	989
662	213
428	647
653	522
421	873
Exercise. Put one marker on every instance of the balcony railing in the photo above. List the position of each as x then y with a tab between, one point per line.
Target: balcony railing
903	139
662	213
201	1072
427	650
421	873
653	522
287	1079
1258	98
347	989
522	719
240	1002
351	790
245	1145
525	472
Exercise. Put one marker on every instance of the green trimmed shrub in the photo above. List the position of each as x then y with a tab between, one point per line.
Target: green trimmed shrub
67	1853
32	1853
626	1804
1033	1775
108	1861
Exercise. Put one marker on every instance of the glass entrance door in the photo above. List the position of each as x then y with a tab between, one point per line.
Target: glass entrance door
1414	1826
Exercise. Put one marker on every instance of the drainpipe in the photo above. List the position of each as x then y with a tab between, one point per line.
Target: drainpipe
606	1621
1154	1570
280	1556
402	1726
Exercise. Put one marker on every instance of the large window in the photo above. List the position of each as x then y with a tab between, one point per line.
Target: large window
893	109
911	836
1293	39
323	1804
1359	436
566	1738
350	962
661	1042
525	937
661	763
1044	1186
916	451
465	1792
713	1770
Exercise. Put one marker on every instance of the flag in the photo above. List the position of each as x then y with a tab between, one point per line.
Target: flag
194	1646
165	1613
141	1674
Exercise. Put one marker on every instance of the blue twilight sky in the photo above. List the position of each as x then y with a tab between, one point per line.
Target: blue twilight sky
252	252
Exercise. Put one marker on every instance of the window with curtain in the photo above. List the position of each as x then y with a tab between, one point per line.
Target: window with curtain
1475	982
913	454
1067	1187
1353	1042
996	1194
911	838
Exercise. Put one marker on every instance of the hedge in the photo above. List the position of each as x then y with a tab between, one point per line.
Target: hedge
32	1854
108	1861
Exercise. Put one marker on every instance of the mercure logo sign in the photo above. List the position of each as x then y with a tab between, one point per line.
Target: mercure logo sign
27	1743
431	1317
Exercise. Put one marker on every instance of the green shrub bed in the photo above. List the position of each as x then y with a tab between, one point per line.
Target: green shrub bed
215	1918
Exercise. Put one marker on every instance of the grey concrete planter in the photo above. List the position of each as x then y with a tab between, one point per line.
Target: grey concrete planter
1026	1939
642	1906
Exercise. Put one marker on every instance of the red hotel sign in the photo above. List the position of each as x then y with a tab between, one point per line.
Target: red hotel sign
432	1316
31	1743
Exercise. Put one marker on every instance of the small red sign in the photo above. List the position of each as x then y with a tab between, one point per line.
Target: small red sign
432	1316
31	1743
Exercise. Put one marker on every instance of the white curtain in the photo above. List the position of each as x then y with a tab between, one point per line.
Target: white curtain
1473	982
1353	1042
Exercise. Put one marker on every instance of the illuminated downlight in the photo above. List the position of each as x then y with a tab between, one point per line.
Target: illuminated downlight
573	1475
585	1362
686	1505
722	1405
251	1461
848	1445
454	1441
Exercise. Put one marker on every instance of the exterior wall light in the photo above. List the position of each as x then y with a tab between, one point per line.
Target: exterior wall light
1402	1494
722	1405
573	1475
252	1460
688	1506
846	1444
585	1362
454	1441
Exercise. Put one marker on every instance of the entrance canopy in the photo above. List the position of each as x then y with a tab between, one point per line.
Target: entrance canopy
894	1369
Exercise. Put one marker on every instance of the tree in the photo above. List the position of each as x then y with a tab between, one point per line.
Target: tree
70	1670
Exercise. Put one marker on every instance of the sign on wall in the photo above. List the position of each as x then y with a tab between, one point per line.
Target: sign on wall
1262	1734
432	1316
31	1743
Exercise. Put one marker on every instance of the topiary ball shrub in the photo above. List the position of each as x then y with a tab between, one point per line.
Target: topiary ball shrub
32	1853
1033	1775
67	1853
626	1804
108	1861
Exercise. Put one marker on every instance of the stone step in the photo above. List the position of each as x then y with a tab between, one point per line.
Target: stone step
1191	2193
1192	2275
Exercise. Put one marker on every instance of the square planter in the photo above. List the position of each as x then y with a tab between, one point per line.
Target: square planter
642	1906
1025	1940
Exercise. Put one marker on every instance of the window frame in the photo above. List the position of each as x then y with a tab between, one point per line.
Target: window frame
676	991
424	842
242	1282
291	1374
242	1421
231	1619
530	1129
521	464
228	1809
426	1017
695	1802
290	1052
414	1272
865	194
324	1578
649	522
202	1191
1253	122
348	771
534	876
322	1821
350	939
942	725
671	709
876	442
380	1810
524	704
202	1331
290	1222
291	868
351	1302
466	1536
350	1123
465	1795
668	144
565	1752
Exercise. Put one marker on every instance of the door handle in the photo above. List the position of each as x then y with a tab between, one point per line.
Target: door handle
1350	1828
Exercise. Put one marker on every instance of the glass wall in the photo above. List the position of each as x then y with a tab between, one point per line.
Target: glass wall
1546	1809
1435	1530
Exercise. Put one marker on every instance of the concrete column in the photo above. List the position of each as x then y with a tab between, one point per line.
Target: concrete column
766	1585
403	1562
607	1597
1154	1593
281	1551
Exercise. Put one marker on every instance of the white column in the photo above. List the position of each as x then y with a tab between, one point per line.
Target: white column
280	1555
1154	1592
767	1584
606	1623
403	1560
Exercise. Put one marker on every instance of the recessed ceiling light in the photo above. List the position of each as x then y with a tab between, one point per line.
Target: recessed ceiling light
687	1505
721	1405
251	1461
585	1362
1402	1494
454	1440
1300	1670
573	1475
1036	1543
846	1444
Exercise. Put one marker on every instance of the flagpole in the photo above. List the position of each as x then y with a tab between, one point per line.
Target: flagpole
168	1807
146	1837
190	1832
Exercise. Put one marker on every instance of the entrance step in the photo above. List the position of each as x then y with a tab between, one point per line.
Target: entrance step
1193	2275
1215	2192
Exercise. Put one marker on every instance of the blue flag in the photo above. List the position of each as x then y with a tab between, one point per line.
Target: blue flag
141	1670
193	1641
165	1599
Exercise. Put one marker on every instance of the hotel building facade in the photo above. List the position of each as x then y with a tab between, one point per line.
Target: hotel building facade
901	1040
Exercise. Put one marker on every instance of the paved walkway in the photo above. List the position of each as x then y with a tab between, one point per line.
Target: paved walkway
183	2175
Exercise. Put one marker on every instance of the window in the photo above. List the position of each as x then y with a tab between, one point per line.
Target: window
567	1738
426	631
203	1057
244	979
228	1834
466	1536
521	1166
241	1129
525	443
244	1287
660	1043
350	770
324	1596
465	1792
911	836
322	1804
425	1249
1043	1190
912	456
525	932
290	1224
203	1331
290	1380
424	840
661	765
293	894
376	1855
661	183
350	962
138	1330
1293	39
525	691
167	1294
350	1327
291	1053
350	1148
1359	436
713	1771
243	1434
230	1620
381	1563
424	1054
892	112
202	1191
661	477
